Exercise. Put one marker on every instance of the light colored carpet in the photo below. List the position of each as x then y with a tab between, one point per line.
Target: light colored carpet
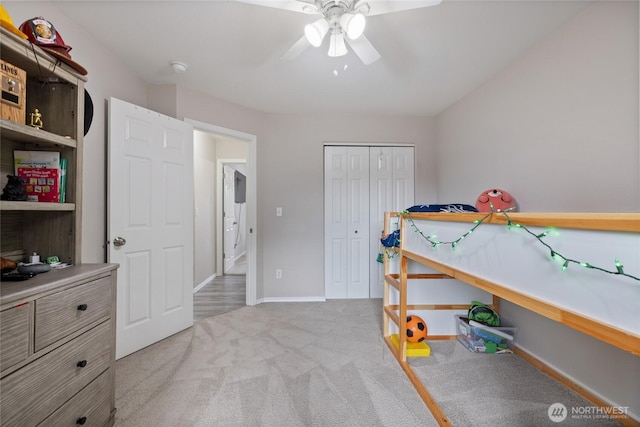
275	364
475	389
324	364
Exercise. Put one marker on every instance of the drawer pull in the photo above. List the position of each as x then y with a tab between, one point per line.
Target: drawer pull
81	421
81	364
82	307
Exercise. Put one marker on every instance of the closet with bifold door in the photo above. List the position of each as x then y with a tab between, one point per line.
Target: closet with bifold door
361	182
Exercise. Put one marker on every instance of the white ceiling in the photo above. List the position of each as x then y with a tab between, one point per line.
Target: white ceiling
431	57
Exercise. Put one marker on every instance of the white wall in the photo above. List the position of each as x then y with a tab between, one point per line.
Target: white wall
291	177
559	130
204	188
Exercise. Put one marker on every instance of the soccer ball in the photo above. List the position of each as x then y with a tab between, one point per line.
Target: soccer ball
416	329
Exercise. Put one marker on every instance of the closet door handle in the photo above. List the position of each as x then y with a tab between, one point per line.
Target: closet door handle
82	307
81	421
81	364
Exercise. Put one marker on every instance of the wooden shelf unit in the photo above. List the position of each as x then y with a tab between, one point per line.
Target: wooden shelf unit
58	93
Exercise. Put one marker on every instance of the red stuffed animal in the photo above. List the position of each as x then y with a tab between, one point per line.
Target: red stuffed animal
499	199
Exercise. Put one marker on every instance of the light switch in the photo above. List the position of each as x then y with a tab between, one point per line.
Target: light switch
278	211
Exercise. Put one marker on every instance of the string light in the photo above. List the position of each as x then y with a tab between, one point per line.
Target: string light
431	238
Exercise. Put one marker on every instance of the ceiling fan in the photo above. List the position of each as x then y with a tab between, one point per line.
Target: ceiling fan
343	20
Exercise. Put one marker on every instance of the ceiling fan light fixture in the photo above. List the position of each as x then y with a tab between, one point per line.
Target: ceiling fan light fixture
315	32
337	46
353	24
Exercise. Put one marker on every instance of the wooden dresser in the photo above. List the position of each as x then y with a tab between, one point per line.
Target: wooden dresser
57	348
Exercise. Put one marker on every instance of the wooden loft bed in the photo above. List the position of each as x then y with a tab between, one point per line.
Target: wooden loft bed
509	256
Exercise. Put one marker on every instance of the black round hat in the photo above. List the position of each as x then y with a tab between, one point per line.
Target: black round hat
88	111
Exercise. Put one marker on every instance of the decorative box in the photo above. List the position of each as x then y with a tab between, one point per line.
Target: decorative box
14	90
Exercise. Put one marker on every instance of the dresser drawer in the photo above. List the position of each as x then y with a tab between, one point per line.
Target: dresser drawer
61	314
14	336
30	394
90	407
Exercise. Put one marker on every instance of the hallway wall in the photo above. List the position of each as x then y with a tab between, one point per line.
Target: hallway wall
204	163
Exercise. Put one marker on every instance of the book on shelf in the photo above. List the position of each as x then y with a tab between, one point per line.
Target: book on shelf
41	173
63	180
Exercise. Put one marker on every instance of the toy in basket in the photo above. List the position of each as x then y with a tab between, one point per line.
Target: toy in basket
480	338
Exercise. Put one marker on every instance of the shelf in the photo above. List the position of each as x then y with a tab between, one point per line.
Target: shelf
626	222
34	60
36	206
57	91
27	134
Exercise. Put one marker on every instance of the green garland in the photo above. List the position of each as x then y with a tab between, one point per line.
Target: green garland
555	255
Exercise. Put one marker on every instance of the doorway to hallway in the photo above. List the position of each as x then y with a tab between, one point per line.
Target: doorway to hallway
213	262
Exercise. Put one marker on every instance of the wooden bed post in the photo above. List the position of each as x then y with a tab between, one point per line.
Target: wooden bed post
496	303
402	333
385	290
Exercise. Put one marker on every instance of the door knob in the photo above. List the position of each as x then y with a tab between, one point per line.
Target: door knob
119	241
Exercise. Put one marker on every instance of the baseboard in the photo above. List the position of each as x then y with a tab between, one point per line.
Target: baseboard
291	299
203	283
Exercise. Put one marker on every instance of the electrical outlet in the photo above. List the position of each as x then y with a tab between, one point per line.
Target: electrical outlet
278	273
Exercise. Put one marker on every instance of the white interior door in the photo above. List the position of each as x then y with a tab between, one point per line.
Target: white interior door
150	225
392	190
346	181
230	222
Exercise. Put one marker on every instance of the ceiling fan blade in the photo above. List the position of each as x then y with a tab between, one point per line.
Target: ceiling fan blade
364	49
378	7
298	47
302	6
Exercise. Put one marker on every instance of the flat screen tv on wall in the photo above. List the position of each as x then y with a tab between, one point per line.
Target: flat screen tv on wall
240	187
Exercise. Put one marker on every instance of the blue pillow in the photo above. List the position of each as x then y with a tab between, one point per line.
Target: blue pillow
451	207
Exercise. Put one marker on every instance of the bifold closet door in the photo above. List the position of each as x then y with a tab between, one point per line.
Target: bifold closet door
346	213
391	176
361	184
